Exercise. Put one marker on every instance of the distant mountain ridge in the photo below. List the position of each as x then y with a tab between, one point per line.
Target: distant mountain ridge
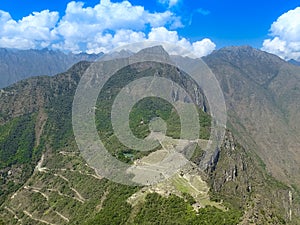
16	65
294	62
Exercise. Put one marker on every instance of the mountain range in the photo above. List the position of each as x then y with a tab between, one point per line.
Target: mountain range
253	178
16	65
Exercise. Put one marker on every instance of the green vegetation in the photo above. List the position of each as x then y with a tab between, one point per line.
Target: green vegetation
66	189
141	114
159	210
175	210
17	139
147	109
115	208
18	154
151	107
59	124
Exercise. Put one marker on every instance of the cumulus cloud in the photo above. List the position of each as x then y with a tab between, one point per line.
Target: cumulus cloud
285	32
198	48
107	42
108	15
95	29
203	47
81	28
35	30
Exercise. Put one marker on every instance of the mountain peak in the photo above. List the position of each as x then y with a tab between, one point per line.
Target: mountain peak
239	48
260	66
158	49
116	55
152	53
245	51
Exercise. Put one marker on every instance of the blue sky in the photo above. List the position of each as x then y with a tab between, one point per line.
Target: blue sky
221	22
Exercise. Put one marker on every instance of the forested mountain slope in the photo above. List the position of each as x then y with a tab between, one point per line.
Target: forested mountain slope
44	179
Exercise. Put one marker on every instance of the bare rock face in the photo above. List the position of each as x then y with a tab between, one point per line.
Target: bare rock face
238	177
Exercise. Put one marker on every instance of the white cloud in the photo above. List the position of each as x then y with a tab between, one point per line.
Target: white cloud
107	42
81	25
198	48
170	3
203	47
104	43
108	15
95	29
31	31
16	42
286	36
